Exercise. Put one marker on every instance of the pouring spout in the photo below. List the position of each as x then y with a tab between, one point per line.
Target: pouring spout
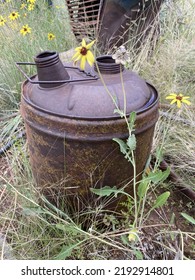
50	68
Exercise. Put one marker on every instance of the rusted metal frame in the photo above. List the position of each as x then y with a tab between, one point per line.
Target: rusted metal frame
94	77
77	2
81	24
88	19
78	11
83	8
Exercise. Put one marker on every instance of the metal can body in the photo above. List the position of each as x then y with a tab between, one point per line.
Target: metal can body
71	122
68	157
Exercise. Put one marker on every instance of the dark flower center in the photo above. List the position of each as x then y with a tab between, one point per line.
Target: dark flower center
83	51
179	97
13	14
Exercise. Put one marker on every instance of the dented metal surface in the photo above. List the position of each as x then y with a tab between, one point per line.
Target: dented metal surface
70	130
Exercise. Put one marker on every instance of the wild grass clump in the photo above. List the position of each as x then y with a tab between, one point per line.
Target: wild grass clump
150	226
49	30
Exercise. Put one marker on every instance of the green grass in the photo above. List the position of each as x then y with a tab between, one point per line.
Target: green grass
33	227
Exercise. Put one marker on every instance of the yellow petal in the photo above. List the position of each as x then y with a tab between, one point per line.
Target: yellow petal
186	101
78	58
173	101
185	97
83	61
83	44
90	58
76	55
78	49
170	97
90	44
173	94
178	103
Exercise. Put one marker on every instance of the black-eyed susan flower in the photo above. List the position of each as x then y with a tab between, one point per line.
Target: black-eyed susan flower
25	30
50	36
31	7
179	99
84	54
14	15
2	21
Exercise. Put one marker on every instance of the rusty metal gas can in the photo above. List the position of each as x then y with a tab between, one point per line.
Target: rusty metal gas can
70	122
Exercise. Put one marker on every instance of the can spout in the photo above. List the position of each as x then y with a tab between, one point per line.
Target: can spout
50	68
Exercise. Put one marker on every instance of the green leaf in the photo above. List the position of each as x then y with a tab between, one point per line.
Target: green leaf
125	240
67	228
138	254
142	188
132	119
65	252
120	112
161	200
131	142
159	154
165	174
122	144
33	211
159	176
188	218
105	191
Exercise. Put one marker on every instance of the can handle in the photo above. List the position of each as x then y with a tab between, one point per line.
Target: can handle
89	74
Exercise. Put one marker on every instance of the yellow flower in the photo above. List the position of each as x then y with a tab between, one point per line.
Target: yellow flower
2	21
25	30
22	6
179	99
50	36
84	54
31	7
14	15
31	1
133	235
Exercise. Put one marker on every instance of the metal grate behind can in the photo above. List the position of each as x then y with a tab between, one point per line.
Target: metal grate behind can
84	17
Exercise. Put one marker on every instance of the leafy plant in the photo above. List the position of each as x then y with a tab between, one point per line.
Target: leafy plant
188	218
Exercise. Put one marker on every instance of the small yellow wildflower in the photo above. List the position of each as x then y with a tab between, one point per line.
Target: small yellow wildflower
25	30
14	15
50	36
31	7
2	21
179	99
31	1
133	235
84	54
23	6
